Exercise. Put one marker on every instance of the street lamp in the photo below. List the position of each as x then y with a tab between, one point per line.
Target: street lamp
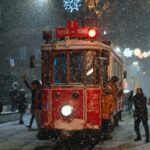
145	54
137	52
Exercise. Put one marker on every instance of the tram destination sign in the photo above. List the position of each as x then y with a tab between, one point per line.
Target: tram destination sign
72	30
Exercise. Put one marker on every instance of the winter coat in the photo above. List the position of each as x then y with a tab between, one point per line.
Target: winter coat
114	92
107	106
22	104
33	92
13	95
1	107
140	101
38	99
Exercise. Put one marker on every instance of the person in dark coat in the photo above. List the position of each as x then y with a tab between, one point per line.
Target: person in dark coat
1	107
22	105
140	113
13	95
33	88
38	103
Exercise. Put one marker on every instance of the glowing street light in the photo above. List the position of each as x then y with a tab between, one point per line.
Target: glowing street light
137	52
145	54
117	50
136	63
105	32
141	56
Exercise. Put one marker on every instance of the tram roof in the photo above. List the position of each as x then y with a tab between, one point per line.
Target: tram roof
76	44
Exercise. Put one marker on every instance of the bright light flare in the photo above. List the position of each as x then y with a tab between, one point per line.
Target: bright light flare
91	33
145	54
90	72
137	52
66	110
135	63
117	50
105	32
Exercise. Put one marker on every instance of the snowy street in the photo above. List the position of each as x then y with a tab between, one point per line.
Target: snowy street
17	137
123	136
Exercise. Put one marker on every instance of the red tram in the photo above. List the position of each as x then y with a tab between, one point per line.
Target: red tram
74	69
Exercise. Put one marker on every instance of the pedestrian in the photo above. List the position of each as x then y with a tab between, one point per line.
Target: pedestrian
114	88
148	102
140	114
13	95
1	107
107	112
33	87
38	100
130	102
120	104
22	105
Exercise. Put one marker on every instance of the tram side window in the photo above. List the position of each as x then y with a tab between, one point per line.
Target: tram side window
60	68
46	68
89	67
76	67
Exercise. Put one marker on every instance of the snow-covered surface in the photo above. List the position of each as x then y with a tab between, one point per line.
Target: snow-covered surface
17	137
123	136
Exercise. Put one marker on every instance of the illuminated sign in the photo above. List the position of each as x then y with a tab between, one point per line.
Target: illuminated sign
73	30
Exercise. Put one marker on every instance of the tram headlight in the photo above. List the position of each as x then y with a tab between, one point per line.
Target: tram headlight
92	33
66	110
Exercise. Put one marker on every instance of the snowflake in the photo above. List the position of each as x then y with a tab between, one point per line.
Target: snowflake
127	52
72	5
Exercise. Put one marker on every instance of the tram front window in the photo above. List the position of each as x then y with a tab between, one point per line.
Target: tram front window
76	68
60	68
89	67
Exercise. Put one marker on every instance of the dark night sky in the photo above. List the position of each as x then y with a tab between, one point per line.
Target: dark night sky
22	21
128	22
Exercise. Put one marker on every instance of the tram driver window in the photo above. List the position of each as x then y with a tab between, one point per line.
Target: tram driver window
76	67
60	68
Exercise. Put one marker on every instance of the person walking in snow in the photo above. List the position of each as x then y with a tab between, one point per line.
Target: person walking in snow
22	105
140	114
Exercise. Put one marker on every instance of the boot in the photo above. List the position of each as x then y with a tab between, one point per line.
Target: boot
138	138
147	140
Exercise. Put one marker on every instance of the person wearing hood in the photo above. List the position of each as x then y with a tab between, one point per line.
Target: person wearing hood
140	113
22	105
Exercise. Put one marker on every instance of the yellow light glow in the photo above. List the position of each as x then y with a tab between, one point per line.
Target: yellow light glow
92	33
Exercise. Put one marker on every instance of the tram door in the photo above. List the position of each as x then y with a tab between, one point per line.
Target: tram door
102	70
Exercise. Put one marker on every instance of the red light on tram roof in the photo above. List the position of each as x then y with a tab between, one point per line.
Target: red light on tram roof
92	33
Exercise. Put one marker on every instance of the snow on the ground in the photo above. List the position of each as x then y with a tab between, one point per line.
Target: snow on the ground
123	136
17	137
